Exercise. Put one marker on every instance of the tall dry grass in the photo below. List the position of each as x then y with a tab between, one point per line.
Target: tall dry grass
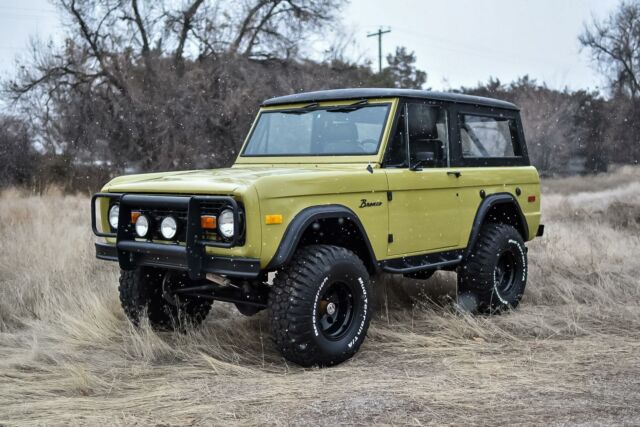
569	354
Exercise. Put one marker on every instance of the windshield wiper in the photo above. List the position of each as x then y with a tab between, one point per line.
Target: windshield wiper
338	109
351	107
302	110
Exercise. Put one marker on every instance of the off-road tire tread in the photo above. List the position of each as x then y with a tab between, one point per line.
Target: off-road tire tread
137	298
475	276
289	293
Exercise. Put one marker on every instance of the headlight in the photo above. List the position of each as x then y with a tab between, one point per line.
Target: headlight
114	212
168	227
226	224
142	225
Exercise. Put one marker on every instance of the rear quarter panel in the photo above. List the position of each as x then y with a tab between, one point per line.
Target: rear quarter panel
498	180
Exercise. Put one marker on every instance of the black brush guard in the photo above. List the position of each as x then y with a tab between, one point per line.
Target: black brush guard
192	257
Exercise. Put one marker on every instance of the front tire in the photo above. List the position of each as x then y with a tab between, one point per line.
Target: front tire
495	272
145	292
319	306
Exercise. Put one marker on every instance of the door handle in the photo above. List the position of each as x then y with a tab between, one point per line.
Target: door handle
456	173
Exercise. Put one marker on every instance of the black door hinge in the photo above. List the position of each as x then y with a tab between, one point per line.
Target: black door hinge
389	195
390	238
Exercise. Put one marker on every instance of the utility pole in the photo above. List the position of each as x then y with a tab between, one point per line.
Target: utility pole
379	34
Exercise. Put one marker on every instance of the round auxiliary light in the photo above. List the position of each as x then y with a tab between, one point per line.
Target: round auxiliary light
114	212
226	224
168	227
142	225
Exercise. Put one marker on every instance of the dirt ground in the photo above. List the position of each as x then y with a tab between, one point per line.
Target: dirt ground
570	354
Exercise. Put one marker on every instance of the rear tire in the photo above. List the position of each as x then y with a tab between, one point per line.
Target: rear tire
319	306
496	269
141	294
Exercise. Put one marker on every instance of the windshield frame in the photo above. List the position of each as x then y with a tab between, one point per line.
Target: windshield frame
323	157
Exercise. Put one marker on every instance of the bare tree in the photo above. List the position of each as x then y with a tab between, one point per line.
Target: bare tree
266	27
144	85
614	44
17	156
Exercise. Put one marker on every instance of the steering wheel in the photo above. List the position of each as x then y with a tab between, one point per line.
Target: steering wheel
364	142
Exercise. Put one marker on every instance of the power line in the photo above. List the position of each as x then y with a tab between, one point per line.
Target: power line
28	9
473	49
379	34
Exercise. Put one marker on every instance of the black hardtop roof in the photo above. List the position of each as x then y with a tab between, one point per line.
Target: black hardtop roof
345	94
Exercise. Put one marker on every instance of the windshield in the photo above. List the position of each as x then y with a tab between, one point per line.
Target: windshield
322	131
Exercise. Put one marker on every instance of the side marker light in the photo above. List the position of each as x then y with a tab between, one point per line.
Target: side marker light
273	219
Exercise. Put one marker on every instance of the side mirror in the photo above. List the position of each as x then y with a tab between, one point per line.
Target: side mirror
423	158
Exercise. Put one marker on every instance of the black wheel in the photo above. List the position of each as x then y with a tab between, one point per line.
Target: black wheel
496	269
420	275
147	291
319	306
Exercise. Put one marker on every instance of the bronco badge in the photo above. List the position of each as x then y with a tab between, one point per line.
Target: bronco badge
365	204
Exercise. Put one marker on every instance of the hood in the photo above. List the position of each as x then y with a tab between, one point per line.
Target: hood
219	181
227	181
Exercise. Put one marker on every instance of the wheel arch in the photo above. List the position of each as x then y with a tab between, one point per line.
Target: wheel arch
332	221
501	208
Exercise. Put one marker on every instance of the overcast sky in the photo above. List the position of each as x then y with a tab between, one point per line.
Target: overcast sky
462	42
458	42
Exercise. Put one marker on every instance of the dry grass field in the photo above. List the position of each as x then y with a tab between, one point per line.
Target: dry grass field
570	354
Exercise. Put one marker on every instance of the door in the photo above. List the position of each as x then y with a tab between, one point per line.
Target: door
424	198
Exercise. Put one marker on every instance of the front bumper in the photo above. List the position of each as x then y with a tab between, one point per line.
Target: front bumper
175	257
191	257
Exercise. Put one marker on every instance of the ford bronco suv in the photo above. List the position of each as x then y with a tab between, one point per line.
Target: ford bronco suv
329	189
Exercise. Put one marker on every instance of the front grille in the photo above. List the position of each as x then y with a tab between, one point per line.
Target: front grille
157	215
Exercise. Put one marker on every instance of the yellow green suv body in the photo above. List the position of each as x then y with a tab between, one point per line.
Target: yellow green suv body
406	181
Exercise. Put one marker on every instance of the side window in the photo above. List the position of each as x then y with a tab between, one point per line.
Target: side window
488	137
427	132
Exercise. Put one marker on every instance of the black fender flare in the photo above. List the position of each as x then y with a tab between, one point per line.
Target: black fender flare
300	223
486	205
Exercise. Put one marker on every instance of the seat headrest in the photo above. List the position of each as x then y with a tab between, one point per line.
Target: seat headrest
423	122
433	145
430	145
345	131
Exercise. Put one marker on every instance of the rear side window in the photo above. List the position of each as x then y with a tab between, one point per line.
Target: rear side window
488	137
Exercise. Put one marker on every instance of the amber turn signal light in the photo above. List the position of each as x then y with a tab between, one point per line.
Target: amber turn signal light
273	219
208	222
134	216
